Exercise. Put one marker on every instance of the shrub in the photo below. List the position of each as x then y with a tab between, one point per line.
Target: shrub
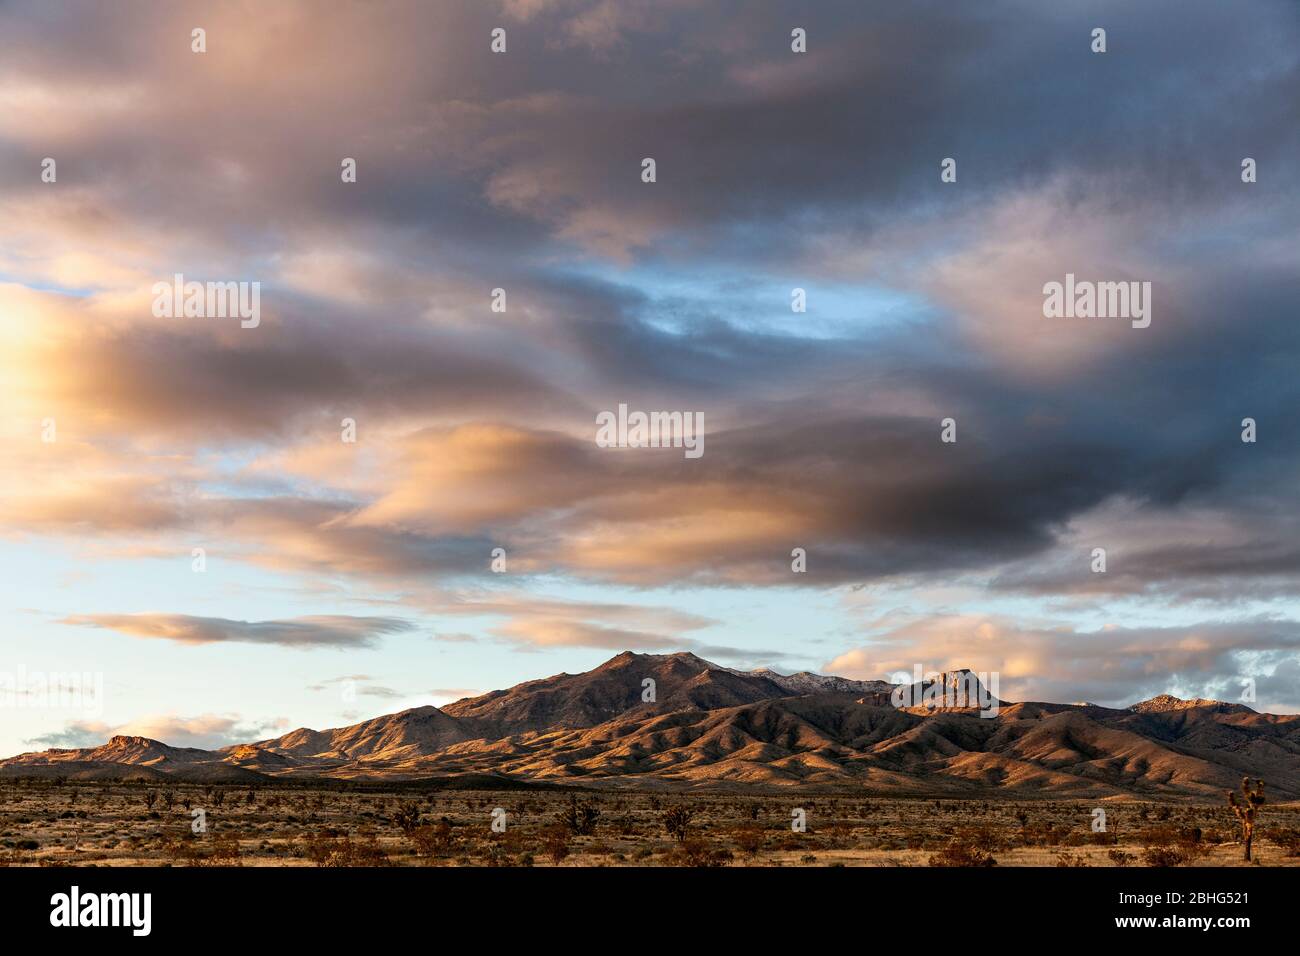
555	843
749	838
218	851
963	851
1288	839
1165	856
325	848
432	840
696	851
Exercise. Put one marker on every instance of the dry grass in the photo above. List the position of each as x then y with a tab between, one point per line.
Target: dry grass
116	824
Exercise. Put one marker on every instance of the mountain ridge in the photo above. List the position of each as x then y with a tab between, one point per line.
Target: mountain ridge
679	721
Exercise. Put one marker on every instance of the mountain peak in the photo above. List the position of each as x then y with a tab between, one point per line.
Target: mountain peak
130	748
806	682
1167	703
628	656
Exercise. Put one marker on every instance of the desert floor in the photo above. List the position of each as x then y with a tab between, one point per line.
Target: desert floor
51	823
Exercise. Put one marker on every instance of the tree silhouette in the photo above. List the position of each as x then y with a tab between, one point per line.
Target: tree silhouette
1254	799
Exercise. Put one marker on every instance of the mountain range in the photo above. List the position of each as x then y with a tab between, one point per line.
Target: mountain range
711	727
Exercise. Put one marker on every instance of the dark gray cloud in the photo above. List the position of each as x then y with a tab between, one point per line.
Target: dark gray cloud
315	631
521	171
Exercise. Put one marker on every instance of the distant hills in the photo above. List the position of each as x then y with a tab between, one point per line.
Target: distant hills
714	727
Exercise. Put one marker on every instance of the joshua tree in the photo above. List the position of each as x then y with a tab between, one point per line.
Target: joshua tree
580	818
677	821
1246	811
407	817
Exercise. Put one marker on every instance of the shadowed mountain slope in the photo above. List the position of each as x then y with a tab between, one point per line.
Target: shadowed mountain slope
714	727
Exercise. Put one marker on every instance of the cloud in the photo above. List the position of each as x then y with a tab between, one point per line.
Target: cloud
1215	552
207	731
543	633
1115	665
379	690
454	693
776	170
302	633
359	684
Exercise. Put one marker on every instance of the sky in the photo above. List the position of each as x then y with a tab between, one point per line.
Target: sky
338	580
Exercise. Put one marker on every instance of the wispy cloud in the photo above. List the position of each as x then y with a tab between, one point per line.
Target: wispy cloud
303	633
